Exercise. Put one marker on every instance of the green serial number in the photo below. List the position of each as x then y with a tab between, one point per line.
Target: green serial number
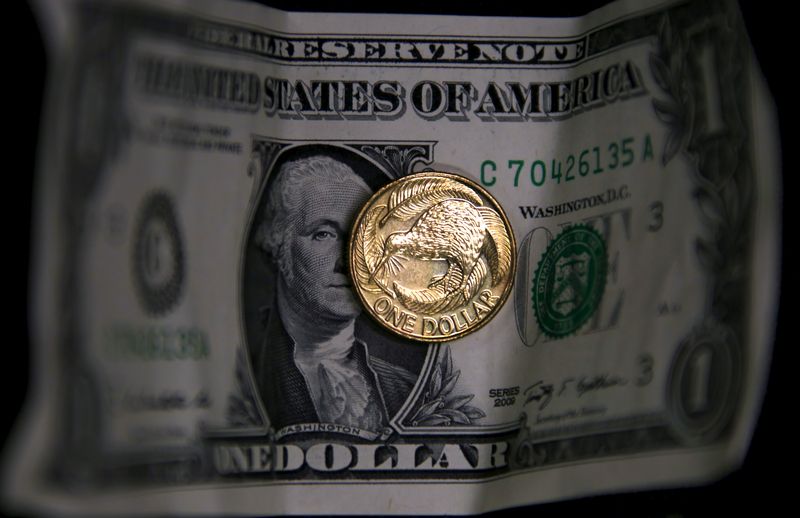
590	161
155	343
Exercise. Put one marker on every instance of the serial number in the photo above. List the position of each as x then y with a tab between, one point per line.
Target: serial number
587	162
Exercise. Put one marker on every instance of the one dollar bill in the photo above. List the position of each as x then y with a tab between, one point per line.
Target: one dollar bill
200	345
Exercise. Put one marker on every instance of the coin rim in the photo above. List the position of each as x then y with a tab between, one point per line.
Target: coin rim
511	273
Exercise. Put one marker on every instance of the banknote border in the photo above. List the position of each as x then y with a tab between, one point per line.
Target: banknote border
587	39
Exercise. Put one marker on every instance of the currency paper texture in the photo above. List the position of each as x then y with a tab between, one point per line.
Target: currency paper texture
199	345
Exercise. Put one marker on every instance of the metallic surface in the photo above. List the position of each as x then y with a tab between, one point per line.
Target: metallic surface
432	256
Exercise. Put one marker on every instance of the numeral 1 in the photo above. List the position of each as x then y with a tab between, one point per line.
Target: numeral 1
711	90
699	372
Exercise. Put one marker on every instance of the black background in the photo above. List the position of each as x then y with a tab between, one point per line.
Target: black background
764	483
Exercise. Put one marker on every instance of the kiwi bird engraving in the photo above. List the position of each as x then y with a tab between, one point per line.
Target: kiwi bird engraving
472	239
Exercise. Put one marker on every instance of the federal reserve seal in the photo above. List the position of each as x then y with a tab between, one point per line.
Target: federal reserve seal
570	280
158	258
432	256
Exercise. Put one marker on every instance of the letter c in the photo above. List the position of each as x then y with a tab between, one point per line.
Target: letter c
488	164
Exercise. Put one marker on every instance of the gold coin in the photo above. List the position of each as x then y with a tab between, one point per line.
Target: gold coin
432	256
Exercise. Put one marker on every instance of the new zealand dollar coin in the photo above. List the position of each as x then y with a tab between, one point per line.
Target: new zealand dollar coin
432	256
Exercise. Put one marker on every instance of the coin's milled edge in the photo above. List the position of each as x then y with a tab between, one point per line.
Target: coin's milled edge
502	298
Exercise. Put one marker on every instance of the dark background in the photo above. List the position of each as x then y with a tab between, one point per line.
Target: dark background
762	485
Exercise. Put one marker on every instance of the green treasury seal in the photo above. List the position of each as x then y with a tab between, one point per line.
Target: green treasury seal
570	280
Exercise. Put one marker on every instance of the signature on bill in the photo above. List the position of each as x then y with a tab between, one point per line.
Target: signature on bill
542	393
